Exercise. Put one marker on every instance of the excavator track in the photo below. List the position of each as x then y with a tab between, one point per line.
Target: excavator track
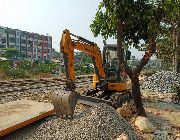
91	101
112	98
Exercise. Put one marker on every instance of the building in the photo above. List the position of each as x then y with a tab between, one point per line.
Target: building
30	45
3	39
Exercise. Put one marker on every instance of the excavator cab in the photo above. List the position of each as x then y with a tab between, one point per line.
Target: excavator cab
110	62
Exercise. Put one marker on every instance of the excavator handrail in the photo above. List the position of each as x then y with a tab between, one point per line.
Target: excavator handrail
82	39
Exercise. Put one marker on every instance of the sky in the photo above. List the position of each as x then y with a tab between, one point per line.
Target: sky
52	17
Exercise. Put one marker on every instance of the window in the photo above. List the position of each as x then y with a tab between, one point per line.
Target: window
18	33
12	32
3	41
35	43
24	55
2	46
23	48
40	44
23	41
39	50
12	46
29	49
49	45
12	40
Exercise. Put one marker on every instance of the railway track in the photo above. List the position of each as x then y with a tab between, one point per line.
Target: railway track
27	84
34	86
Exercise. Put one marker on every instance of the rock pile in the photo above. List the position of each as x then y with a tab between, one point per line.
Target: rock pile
162	81
98	122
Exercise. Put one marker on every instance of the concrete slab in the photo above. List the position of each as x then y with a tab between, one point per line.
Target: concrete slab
16	114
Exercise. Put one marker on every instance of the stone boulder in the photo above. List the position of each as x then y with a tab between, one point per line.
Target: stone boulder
144	125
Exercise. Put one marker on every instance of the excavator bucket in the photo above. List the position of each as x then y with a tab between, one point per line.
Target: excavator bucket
64	103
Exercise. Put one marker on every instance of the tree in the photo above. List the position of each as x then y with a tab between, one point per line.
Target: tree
130	22
11	53
169	39
83	62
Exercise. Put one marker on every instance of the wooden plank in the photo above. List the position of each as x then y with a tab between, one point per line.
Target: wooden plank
16	114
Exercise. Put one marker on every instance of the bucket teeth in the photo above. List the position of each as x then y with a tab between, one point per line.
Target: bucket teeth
64	103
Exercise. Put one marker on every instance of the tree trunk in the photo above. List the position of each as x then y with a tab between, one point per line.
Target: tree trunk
177	49
120	50
133	76
174	47
137	96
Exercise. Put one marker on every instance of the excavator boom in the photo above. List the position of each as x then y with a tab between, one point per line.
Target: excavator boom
67	47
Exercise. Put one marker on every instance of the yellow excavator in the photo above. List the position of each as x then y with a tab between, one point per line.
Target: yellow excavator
109	85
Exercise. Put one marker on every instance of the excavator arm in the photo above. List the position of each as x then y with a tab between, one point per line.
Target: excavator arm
67	47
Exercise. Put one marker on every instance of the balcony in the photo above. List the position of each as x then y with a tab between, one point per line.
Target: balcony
12	36
12	43
23	37
45	51
12	46
2	46
30	39
39	51
22	44
39	41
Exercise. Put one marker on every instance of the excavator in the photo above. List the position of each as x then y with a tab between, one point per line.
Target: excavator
109	85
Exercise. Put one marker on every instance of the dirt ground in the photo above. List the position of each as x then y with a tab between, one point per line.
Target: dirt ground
162	113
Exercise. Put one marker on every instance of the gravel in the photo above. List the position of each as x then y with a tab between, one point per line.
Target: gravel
100	122
162	81
43	94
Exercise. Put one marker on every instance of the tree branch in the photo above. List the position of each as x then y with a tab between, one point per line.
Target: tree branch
120	51
148	53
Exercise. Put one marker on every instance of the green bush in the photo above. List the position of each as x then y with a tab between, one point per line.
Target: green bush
18	73
26	65
6	64
26	69
44	68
